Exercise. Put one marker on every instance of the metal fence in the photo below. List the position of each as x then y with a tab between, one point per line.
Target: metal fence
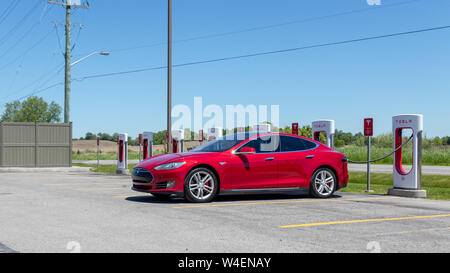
35	144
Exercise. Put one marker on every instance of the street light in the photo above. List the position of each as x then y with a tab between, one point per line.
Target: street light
67	80
103	53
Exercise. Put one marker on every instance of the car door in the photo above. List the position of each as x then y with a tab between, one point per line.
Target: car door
295	160
258	170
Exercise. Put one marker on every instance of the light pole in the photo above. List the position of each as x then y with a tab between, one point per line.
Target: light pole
67	80
93	53
169	77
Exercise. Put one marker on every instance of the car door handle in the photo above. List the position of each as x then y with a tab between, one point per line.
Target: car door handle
269	158
309	156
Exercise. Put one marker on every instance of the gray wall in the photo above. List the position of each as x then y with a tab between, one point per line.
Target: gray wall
35	144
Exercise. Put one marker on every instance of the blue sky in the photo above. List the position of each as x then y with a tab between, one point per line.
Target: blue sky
377	78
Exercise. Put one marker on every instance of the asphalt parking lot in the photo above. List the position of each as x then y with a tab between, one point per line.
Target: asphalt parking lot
64	212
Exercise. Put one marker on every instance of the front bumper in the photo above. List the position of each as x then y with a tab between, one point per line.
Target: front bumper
164	181
168	192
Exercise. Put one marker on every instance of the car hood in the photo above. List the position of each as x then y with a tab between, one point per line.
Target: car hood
167	158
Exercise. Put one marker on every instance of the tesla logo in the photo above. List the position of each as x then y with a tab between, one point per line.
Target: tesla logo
374	2
403	121
368	127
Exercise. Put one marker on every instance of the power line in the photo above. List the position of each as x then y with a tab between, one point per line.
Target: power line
249	55
27	50
19	24
39	79
268	52
8	10
26	33
300	21
41	90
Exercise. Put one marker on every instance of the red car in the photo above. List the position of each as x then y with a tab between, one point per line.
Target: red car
244	163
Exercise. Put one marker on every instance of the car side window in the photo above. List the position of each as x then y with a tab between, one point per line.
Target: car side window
291	144
265	144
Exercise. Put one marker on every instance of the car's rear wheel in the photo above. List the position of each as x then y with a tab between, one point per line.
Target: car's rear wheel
323	183
200	185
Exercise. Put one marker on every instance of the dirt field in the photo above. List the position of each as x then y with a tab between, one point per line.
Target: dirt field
110	146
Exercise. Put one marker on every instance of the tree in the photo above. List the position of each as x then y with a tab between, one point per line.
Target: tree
437	141
90	136
34	109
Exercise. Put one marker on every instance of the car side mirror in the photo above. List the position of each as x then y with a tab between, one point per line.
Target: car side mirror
245	150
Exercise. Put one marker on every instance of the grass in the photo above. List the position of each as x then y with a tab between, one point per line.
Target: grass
430	156
108	169
107	156
437	186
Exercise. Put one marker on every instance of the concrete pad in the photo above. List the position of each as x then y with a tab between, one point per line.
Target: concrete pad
123	171
408	193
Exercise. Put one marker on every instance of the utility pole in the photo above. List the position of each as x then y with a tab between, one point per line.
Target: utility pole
67	4
67	68
169	77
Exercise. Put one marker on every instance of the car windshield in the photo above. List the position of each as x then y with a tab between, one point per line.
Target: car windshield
224	143
216	145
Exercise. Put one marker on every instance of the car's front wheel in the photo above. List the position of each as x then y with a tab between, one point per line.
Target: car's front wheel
200	185
323	183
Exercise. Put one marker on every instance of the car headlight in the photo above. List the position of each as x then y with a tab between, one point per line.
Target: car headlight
169	166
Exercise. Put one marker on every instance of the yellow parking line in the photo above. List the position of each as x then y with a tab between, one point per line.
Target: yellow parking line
98	189
284	202
366	220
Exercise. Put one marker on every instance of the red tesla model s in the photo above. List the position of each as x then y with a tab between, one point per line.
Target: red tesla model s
244	163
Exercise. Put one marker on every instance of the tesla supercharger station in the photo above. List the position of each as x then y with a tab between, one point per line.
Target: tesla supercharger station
122	154
326	126
407	183
147	144
214	133
177	141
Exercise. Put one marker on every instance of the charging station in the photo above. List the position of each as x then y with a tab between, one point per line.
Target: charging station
407	184
326	126
214	133
147	145
177	141
122	154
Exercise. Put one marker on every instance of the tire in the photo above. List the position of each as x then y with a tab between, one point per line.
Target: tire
323	183
161	196
200	186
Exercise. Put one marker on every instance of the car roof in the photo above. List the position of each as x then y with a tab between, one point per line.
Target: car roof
246	135
243	135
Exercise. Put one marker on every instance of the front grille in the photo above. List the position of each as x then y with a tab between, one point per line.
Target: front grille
142	187
161	186
141	175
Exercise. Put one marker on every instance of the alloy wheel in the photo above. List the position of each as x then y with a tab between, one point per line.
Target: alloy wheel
201	185
324	182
